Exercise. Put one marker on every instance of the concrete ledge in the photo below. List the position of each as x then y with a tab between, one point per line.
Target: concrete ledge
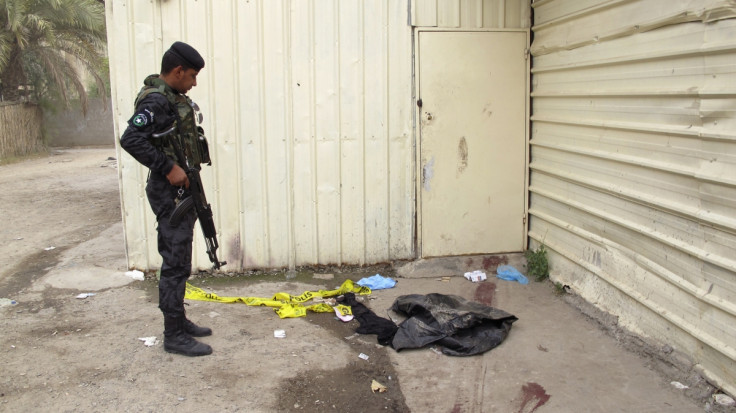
457	266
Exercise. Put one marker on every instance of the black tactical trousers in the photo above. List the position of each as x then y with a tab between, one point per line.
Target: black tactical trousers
174	245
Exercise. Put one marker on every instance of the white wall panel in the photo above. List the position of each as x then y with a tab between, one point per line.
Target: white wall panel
376	137
327	118
307	108
306	241
401	214
633	158
352	137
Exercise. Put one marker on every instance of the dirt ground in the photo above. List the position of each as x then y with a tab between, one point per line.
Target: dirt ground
62	236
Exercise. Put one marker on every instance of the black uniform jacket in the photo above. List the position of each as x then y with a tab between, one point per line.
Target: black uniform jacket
152	115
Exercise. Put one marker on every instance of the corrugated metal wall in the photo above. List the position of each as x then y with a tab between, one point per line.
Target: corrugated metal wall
308	109
471	14
633	159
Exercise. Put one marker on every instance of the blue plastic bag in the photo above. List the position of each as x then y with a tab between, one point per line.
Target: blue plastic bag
377	282
509	273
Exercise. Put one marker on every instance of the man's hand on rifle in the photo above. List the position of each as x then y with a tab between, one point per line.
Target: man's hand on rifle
178	177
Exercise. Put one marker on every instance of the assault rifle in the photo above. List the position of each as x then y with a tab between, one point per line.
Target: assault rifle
195	199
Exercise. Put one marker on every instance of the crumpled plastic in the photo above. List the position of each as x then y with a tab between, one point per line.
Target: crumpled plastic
509	273
377	282
459	326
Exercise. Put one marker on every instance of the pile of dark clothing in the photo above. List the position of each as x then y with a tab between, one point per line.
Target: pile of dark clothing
459	326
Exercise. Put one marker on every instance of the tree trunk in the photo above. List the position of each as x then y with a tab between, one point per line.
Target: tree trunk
11	79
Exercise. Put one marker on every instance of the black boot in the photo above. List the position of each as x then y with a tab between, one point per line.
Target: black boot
195	330
176	340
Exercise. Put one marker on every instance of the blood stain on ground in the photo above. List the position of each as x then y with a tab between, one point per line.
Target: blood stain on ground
494	261
484	293
532	396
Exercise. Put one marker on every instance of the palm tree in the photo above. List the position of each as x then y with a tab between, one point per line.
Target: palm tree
43	43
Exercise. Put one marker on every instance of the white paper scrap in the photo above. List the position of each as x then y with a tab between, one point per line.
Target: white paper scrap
279	333
135	274
148	341
475	276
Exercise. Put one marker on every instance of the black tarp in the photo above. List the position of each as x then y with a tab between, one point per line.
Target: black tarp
459	326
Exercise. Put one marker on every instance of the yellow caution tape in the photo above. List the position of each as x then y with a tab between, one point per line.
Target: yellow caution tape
285	305
343	309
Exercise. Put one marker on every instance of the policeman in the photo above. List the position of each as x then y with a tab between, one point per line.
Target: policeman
162	104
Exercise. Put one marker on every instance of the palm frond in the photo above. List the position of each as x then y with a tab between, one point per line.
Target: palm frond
54	41
6	45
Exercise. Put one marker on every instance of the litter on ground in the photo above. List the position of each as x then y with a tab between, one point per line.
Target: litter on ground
509	273
377	282
377	387
476	276
135	274
148	341
7	301
724	400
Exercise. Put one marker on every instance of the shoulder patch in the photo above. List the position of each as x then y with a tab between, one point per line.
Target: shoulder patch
142	118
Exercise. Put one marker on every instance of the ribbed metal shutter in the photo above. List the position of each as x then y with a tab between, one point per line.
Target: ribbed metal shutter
633	165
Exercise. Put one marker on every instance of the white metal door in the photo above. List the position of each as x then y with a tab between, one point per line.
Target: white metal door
473	125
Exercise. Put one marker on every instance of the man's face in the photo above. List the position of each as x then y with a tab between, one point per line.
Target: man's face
184	79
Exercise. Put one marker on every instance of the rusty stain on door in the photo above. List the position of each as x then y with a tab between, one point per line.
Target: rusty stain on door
462	154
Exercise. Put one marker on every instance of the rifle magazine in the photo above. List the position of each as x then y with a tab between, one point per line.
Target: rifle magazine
182	208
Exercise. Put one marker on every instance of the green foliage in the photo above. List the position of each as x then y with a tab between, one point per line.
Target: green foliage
94	91
536	261
559	289
47	47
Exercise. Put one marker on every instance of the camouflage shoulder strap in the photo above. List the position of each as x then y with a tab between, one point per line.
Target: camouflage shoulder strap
147	90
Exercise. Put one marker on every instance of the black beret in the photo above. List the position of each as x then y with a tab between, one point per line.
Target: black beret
188	54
